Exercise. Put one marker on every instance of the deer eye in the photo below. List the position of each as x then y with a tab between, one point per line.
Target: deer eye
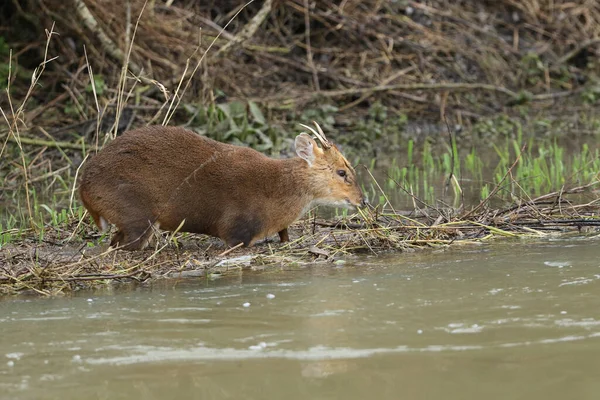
341	173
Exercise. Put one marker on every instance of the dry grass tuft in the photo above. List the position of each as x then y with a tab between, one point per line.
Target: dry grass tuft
405	54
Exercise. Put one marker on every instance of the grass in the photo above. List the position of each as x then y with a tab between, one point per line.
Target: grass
536	187
541	166
536	191
68	257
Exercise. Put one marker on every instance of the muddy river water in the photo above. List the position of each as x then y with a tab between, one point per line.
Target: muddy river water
507	320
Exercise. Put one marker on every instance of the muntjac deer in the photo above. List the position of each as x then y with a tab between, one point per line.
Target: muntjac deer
172	178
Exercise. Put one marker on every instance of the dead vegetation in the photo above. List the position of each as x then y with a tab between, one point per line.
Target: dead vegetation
64	262
416	57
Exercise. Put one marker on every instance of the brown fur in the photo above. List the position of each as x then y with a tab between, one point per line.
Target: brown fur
166	175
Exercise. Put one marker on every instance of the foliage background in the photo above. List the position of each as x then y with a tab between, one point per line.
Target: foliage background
305	59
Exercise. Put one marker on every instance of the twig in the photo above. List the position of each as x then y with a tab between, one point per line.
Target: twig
111	48
585	44
386	81
496	188
249	29
53	144
543	198
309	55
127	63
172	105
402	86
237	246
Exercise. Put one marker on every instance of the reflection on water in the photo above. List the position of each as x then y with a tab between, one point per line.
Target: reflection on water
508	320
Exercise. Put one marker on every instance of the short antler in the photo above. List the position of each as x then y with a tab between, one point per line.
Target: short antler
319	135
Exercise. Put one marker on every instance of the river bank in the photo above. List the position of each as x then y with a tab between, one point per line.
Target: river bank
73	256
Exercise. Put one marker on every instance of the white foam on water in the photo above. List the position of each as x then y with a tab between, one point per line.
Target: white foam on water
577	281
149	354
586	323
557	264
185	321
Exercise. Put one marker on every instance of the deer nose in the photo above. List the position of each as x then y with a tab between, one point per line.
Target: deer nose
364	202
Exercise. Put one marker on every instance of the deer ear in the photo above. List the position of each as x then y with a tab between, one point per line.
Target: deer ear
305	146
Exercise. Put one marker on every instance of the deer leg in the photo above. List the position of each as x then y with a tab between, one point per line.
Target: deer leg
283	235
133	236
